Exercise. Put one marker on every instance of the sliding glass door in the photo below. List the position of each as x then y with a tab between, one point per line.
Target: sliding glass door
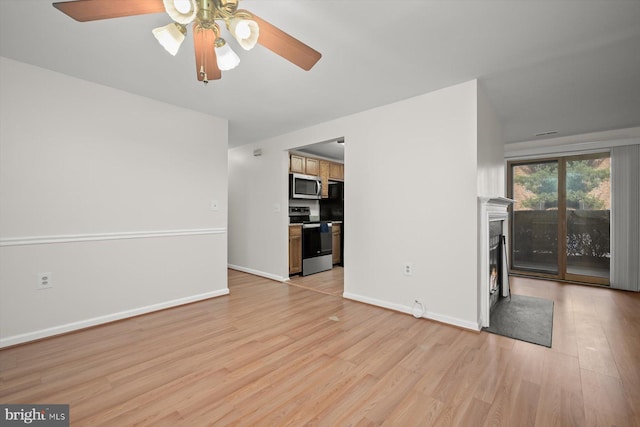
534	221
560	221
588	214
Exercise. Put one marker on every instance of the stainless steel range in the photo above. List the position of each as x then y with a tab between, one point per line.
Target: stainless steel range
317	253
299	214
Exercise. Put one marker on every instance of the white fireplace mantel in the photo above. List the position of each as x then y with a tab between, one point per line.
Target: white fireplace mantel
496	201
490	209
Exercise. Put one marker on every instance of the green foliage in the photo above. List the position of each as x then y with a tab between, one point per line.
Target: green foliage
582	177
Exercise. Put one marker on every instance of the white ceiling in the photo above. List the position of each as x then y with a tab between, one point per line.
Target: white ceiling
546	65
333	150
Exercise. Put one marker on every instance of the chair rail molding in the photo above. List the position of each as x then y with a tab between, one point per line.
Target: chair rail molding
92	237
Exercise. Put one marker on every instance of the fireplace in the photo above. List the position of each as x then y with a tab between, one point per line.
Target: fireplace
492	264
495	261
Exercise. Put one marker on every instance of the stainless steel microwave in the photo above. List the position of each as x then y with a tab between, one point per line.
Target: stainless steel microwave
304	186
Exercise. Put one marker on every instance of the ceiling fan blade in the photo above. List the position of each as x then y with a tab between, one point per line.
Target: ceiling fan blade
283	44
206	61
93	10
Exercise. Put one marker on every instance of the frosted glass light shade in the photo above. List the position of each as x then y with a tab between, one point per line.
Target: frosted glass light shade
226	57
245	31
170	37
183	6
181	11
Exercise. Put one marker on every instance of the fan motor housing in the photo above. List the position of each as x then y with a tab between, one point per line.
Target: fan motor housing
226	7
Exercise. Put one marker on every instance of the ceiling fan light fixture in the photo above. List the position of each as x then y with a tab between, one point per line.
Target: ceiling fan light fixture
181	11
227	59
212	54
170	36
246	32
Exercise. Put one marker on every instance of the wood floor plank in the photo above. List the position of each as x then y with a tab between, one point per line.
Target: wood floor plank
530	360
561	402
347	398
246	399
627	359
473	413
594	351
525	408
310	396
605	402
416	409
275	354
492	375
564	338
506	406
383	399
154	403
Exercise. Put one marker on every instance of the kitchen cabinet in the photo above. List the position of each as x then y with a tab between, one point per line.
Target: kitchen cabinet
312	166
304	165
336	171
324	177
297	164
336	242
295	249
316	167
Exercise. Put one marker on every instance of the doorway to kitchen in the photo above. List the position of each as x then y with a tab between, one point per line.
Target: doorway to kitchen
322	163
560	220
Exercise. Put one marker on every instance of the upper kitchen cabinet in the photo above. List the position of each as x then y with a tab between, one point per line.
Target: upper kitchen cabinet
312	167
336	171
297	164
304	165
324	176
325	169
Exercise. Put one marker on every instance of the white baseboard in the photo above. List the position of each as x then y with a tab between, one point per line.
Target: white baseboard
258	273
74	326
409	310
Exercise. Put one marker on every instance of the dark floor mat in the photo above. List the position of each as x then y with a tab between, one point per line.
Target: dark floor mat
523	318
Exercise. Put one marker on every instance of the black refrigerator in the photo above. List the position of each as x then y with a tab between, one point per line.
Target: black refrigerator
332	209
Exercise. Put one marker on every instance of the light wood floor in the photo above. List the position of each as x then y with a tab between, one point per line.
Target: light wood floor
330	282
273	354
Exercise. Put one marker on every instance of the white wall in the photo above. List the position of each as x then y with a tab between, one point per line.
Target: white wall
491	172
110	192
258	214
411	184
491	169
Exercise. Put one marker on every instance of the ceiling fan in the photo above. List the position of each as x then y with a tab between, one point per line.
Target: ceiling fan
213	54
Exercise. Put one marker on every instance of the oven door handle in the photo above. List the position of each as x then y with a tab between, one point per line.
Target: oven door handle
316	225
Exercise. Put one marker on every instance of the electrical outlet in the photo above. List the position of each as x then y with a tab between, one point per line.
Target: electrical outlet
45	281
408	269
215	206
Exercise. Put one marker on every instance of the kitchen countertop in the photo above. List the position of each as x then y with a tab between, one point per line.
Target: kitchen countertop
299	224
